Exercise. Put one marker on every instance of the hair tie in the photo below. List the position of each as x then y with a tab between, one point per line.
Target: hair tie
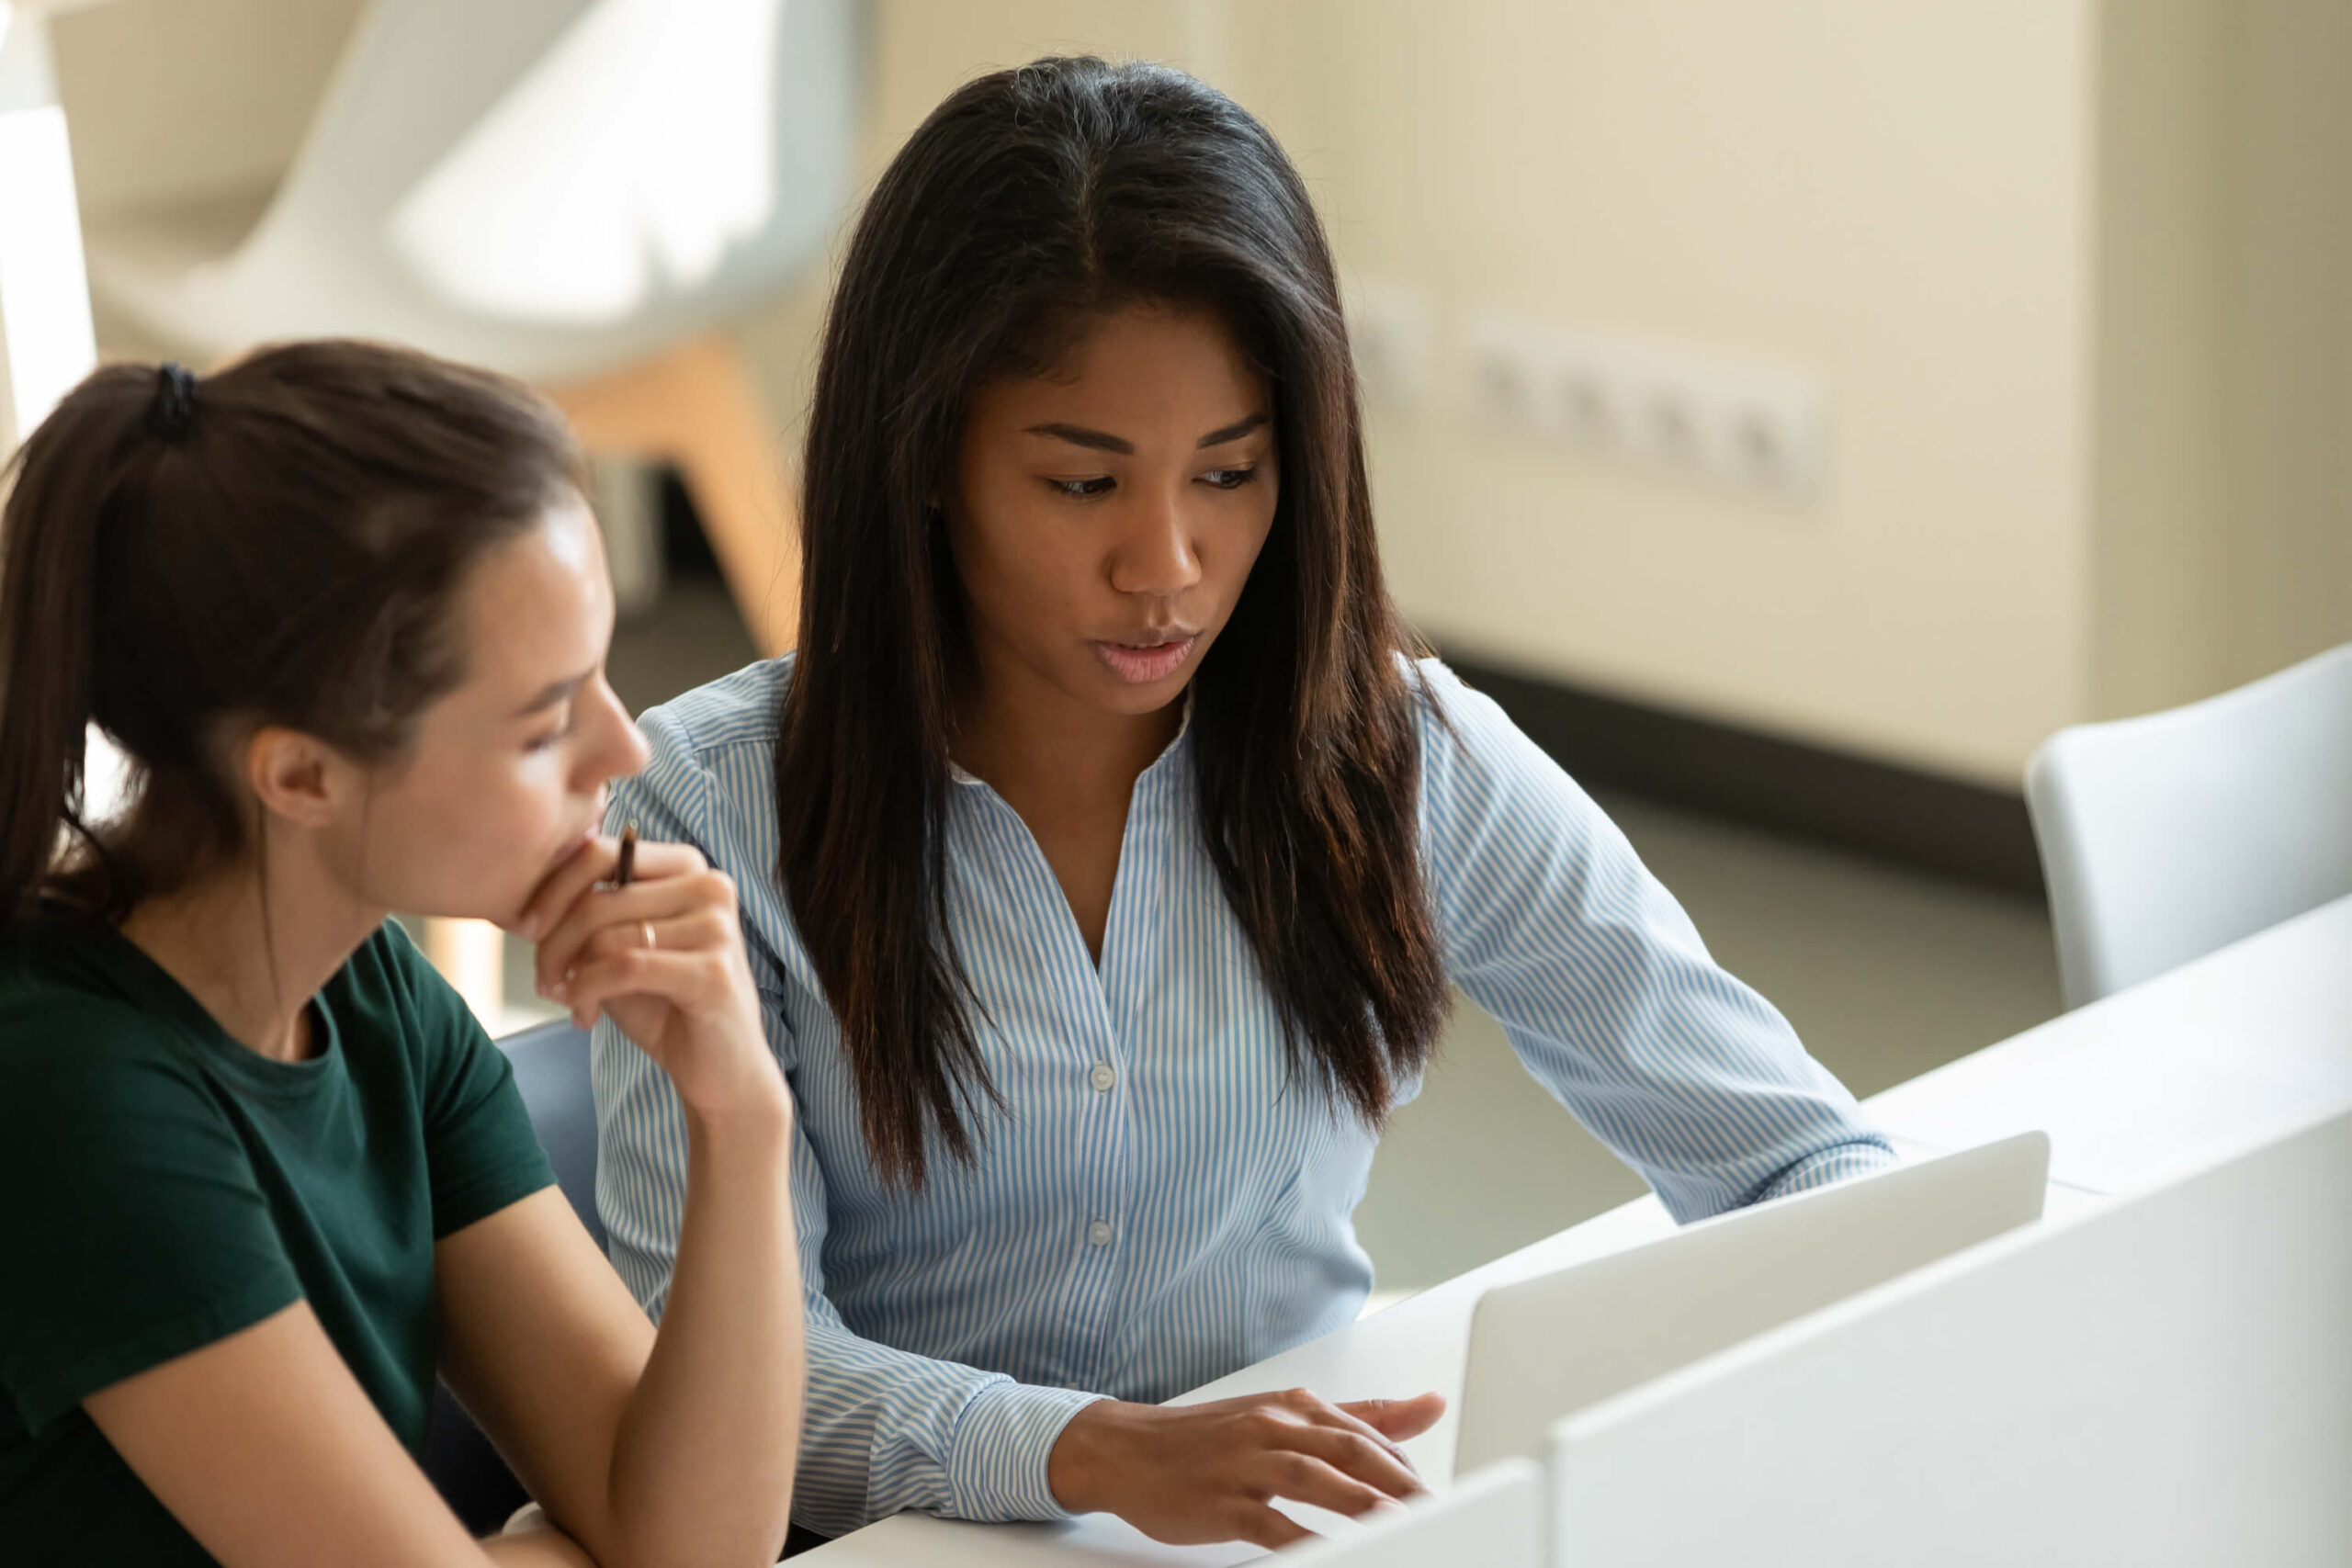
174	406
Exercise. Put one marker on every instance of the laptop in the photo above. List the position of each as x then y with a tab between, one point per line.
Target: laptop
1544	1348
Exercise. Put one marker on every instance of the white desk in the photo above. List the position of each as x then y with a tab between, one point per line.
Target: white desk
2238	1048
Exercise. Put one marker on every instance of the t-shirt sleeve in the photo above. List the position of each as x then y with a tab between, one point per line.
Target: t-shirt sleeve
134	1231
480	1149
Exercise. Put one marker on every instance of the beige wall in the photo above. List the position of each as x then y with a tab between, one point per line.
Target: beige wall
175	101
2071	272
2222	459
1891	198
2286	369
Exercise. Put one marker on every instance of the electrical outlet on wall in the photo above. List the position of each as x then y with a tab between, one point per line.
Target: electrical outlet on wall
1507	380
1711	416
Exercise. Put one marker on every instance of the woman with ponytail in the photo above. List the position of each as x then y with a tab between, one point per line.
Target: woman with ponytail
344	610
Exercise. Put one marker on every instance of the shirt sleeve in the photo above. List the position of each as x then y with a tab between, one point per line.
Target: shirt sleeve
135	1232
1551	923
884	1431
482	1153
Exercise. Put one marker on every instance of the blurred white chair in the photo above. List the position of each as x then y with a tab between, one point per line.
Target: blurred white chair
573	191
1491	1520
2167	836
46	343
45	339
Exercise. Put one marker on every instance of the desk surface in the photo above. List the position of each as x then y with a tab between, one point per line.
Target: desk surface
2237	1049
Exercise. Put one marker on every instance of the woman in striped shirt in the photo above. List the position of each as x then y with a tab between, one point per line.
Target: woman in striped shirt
1108	851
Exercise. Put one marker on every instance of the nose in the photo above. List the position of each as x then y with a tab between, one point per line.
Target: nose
623	751
1156	554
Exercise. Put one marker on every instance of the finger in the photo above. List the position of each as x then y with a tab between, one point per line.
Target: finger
705	931
1399	1418
588	860
594	910
1366	1457
1269	1528
601	910
593	863
1306	1406
688	981
1306	1479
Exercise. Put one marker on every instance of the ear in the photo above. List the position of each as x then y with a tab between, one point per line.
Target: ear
297	777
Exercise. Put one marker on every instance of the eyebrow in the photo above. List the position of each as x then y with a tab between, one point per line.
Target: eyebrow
552	693
1103	441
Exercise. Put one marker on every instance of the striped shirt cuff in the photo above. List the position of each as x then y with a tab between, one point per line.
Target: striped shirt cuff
1835	1163
996	1469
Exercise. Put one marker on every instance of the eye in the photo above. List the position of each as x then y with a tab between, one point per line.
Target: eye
1230	479
542	742
1082	489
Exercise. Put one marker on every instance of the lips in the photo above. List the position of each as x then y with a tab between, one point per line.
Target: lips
1153	656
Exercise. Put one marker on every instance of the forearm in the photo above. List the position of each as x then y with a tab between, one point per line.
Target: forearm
703	1463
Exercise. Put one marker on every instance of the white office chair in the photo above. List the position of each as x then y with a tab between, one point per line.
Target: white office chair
1493	1519
2167	836
577	192
555	188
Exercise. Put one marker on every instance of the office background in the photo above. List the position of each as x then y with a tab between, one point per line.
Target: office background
2053	296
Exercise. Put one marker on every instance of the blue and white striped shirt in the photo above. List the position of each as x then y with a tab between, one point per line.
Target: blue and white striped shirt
1159	1203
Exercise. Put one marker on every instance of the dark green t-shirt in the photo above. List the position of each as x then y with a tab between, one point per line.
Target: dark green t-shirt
163	1186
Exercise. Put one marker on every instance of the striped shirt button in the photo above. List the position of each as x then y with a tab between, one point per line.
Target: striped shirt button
1103	1077
1099	1233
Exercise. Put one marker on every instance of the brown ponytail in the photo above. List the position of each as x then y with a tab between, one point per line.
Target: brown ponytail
279	543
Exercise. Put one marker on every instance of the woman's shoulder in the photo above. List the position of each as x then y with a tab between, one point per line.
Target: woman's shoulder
738	709
387	995
68	1041
1477	761
1448	713
712	748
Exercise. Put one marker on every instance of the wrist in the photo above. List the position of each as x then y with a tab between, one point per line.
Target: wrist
756	1106
1081	1460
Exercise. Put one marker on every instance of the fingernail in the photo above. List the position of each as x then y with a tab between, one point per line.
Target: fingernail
529	929
558	992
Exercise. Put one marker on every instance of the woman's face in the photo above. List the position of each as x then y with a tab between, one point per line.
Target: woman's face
508	772
1106	514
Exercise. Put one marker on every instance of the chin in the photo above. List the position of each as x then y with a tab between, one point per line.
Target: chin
1129	701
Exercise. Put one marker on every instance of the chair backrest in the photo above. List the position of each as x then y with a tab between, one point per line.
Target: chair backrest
551	1063
2165	836
468	159
1492	1520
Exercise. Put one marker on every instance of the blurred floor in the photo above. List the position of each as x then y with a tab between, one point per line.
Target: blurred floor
1885	973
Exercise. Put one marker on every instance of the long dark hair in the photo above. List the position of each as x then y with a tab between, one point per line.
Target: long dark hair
279	542
1030	196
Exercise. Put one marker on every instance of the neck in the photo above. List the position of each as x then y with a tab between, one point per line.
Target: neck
1030	740
254	952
